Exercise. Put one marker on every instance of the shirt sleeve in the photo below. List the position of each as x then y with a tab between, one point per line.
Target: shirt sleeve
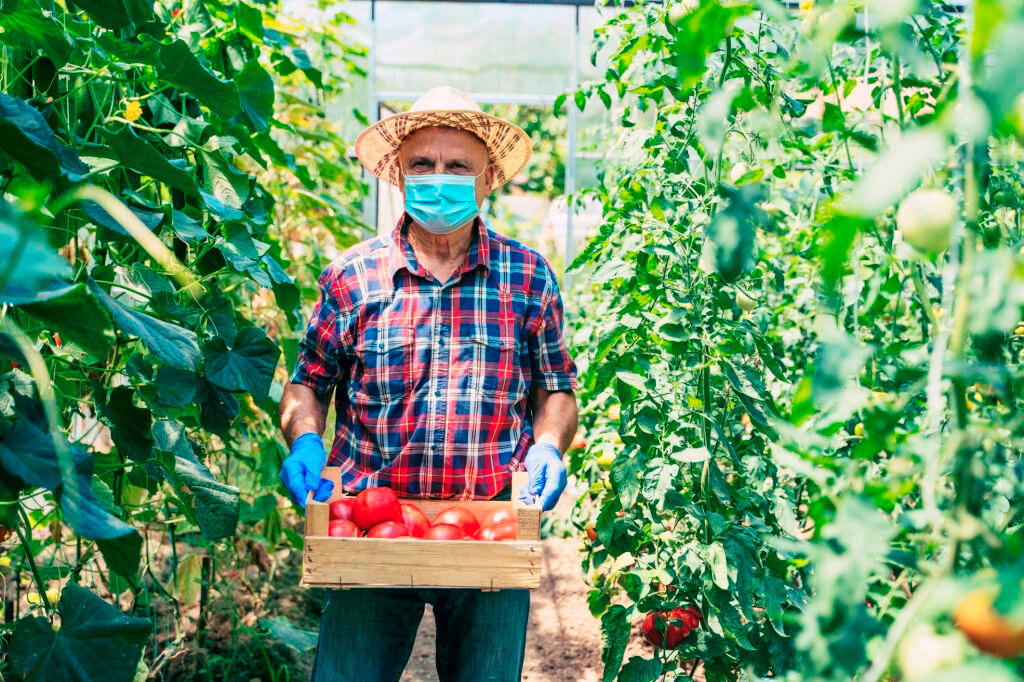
552	367
321	363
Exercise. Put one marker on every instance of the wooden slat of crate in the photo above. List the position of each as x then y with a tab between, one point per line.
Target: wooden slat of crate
370	562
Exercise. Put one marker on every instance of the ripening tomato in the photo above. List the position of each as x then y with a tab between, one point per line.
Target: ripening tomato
376	505
499	516
502	531
388	529
444	531
461	517
986	628
415	520
343	528
342	509
669	636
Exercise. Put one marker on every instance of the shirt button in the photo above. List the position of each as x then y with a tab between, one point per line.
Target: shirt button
440	342
437	393
380	345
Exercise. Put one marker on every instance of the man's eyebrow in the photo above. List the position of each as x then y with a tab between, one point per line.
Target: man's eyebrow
415	159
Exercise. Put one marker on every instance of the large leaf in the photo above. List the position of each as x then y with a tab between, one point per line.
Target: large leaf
129	425
639	669
248	366
110	14
95	641
615	631
141	156
256	90
26	28
174	345
78	318
30	270
216	504
25	135
182	68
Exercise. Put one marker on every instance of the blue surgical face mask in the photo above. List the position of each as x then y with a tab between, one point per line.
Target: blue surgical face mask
441	203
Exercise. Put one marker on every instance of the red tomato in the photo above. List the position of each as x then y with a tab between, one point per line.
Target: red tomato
343	528
503	531
415	520
388	529
669	636
461	517
499	516
444	531
376	505
342	509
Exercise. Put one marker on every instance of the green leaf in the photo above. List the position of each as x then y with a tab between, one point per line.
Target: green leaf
659	480
142	157
183	69
26	28
78	318
25	135
174	345
176	387
110	14
248	366
249	20
627	473
95	642
239	250
217	410
216	504
256	93
640	669
615	636
281	628
30	271
715	556
129	425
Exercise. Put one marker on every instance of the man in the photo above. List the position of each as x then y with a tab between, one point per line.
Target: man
444	343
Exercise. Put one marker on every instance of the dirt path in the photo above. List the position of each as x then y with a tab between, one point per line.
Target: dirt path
563	641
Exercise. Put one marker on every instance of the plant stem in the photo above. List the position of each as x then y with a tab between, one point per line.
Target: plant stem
31	559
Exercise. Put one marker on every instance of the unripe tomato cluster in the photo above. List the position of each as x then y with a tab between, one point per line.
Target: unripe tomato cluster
378	513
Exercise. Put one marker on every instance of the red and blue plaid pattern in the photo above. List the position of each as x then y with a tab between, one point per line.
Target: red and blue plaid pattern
432	380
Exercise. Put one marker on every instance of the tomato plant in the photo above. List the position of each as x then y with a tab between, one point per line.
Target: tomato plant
795	333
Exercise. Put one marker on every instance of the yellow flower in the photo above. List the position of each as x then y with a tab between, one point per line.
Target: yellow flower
806	5
132	110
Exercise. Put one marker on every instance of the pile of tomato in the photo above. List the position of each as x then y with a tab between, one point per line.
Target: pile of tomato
378	513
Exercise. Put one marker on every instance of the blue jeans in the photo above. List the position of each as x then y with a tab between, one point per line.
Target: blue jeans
367	634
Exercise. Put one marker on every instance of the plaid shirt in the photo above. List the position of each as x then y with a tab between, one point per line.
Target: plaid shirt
433	379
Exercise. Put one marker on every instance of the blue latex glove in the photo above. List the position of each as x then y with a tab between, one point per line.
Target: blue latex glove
300	471
547	476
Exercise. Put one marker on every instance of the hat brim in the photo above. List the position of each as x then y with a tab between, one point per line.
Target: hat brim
508	144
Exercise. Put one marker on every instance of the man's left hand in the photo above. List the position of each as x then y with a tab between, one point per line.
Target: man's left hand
547	475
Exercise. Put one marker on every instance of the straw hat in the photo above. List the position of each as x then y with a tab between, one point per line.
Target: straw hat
508	144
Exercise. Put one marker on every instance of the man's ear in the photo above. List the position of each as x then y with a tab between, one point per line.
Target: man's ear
490	174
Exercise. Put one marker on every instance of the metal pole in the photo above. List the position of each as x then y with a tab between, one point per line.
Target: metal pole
570	162
373	114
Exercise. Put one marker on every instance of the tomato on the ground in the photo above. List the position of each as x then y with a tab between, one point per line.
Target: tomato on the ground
343	528
415	520
388	529
376	505
461	517
444	531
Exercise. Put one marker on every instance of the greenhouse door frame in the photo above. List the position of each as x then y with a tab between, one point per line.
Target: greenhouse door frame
378	97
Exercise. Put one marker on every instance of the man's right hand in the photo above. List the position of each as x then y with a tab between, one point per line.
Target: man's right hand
300	471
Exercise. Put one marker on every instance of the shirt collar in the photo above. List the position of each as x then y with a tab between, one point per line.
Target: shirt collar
401	254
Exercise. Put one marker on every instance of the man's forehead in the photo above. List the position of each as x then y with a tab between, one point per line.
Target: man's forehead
439	138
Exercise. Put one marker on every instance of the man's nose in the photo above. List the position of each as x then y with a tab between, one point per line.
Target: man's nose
439	168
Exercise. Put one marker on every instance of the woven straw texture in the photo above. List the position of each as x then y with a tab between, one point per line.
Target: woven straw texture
508	144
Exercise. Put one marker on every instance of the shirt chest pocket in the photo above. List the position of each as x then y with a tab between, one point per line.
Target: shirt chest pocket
384	368
490	363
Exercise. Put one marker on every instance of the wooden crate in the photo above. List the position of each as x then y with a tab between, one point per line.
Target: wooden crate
372	562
